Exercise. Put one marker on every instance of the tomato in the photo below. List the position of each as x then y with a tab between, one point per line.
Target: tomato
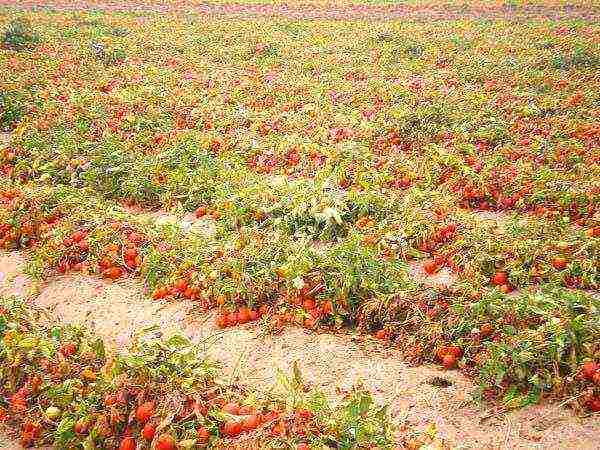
222	321
78	236
144	412
486	329
201	211
127	443
303	446
81	426
449	361
251	423
310	323
430	267
232	408
254	315
68	349
243	315
304	414
181	285
309	304
278	429
232	428
149	431
382	335
203	435
559	262
247	410
113	273
159	293
500	278
327	307
232	319
589	369
165	442
454	350
594	404
130	253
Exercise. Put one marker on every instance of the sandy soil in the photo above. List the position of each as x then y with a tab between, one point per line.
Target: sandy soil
332	363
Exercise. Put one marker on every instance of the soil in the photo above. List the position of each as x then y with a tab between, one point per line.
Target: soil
333	363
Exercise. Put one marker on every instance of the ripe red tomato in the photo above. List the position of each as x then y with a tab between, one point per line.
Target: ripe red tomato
81	426
149	431
559	262
382	335
159	293
165	442
454	350
309	304
589	369
203	435
430	267
232	428
500	278
144	412
127	443
247	410
232	408
278	429
304	414
68	349
113	273
594	404
303	446
243	315
254	315
201	211
232	319
251	423
449	361
181	285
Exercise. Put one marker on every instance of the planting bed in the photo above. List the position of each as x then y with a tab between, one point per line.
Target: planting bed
429	190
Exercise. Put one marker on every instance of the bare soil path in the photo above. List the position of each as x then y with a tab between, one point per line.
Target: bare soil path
330	362
296	10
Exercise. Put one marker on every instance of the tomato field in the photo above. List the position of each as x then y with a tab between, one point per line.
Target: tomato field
430	178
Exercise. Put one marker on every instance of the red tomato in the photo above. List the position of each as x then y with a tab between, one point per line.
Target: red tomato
251	423
309	304
149	431
203	435
589	369
430	267
144	412
243	315
127	443
201	211
449	361
559	262
165	442
499	278
232	428
232	408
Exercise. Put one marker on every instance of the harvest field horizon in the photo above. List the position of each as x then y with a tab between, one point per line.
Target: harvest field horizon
299	225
